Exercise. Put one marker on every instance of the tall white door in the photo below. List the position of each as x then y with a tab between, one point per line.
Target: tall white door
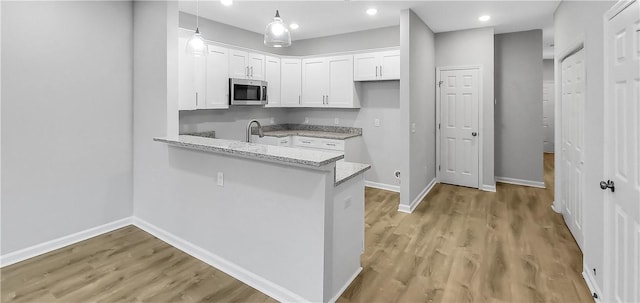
622	154
548	116
572	111
459	134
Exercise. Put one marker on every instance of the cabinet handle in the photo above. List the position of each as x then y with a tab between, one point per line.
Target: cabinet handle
380	70
376	71
331	144
327	100
299	99
196	99
252	72
247	72
305	142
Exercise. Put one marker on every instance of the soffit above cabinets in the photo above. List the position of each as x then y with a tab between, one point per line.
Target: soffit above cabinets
326	18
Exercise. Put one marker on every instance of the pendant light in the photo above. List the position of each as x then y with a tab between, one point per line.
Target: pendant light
195	45
276	34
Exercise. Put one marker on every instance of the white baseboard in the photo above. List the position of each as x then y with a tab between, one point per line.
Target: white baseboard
555	208
591	282
267	287
520	182
486	187
42	248
410	208
389	187
344	287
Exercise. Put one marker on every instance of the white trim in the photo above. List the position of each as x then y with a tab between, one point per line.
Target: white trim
263	285
410	208
344	287
384	186
486	187
591	282
43	248
480	118
555	207
520	182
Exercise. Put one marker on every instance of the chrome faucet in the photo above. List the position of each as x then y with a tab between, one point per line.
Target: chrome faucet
260	133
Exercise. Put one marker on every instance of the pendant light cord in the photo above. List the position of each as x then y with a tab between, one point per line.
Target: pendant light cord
197	14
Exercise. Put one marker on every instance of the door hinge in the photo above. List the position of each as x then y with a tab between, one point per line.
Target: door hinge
438	125
438	167
440	83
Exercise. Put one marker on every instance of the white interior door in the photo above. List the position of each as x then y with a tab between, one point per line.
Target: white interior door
548	115
459	134
622	154
572	107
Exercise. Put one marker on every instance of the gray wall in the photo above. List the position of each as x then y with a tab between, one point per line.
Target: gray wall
356	41
66	118
417	107
547	70
518	90
231	123
474	47
582	21
379	100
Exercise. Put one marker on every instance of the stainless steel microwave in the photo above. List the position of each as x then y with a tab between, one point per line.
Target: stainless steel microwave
247	92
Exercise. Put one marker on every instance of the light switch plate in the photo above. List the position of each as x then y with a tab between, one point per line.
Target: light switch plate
376	122
220	179
306	120
273	120
336	121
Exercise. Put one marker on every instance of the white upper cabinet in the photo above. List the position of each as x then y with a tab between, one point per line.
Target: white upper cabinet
314	82
328	82
191	78
291	76
272	76
217	79
377	66
244	65
341	88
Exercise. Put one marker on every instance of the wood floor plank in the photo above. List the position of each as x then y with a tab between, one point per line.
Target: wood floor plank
459	245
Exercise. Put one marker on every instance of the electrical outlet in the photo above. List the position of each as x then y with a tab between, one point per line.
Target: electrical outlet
336	121
220	179
306	120
273	120
376	122
413	128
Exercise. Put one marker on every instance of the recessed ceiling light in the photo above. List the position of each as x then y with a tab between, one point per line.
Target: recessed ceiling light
226	2
484	18
372	11
294	26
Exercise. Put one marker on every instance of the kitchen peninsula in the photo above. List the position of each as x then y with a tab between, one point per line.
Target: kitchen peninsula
287	221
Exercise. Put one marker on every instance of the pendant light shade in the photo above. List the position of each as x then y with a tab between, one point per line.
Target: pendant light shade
277	34
195	45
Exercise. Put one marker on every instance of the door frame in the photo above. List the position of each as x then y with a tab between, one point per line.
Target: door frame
572	48
480	116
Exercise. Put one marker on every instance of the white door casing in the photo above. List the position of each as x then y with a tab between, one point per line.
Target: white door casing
548	109
572	139
459	134
622	153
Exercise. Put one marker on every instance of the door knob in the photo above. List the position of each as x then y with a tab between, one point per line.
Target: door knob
609	184
474	134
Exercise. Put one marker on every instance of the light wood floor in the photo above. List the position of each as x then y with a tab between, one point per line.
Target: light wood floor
460	245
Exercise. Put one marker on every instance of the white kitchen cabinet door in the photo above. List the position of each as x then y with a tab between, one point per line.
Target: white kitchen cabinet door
314	82
291	76
272	76
238	64
217	84
390	65
365	67
256	64
340	88
191	78
377	66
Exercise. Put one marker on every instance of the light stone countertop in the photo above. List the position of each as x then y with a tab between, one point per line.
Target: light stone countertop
347	170
310	133
286	155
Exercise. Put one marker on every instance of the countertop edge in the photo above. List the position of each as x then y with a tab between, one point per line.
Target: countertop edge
247	154
361	170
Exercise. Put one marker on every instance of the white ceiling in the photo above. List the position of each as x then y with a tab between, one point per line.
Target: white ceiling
325	18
